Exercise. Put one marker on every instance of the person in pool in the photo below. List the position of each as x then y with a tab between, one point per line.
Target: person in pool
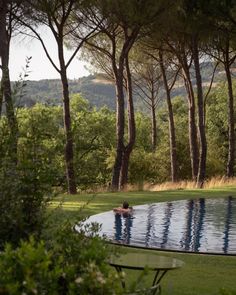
124	209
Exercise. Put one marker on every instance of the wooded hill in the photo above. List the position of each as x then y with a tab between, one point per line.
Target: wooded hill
98	90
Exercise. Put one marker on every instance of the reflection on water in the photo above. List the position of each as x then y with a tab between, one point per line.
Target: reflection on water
195	213
150	224
201	225
123	224
228	222
166	223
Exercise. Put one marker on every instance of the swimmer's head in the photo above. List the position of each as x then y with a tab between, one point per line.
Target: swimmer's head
125	205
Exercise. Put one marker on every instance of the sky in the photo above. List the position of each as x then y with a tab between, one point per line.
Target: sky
40	67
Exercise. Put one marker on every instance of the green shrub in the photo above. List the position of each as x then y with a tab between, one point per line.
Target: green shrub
71	264
28	269
88	258
23	200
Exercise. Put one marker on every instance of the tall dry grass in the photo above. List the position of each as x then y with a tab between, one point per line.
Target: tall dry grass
220	181
213	182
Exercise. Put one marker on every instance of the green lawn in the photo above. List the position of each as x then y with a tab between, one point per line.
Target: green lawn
201	275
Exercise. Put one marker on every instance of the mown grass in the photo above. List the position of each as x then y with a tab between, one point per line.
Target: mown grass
201	275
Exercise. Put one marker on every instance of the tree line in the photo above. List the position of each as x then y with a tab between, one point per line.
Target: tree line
139	45
41	144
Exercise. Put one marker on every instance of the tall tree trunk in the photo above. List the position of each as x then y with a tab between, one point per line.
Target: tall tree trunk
154	124
120	169
6	84
120	124
131	129
173	152
231	135
153	116
69	155
181	54
201	125
193	144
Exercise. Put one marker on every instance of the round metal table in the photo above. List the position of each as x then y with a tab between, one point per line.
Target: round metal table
140	261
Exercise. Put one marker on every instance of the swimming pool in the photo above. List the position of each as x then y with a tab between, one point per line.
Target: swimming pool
199	225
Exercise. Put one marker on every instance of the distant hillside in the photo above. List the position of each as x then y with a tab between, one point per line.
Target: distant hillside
96	89
98	92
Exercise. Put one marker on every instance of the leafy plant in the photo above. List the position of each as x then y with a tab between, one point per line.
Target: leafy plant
23	198
29	269
70	264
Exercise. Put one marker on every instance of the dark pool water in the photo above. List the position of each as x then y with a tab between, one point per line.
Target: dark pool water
201	225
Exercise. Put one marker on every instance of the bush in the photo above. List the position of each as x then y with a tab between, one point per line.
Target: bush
23	200
88	257
28	269
71	264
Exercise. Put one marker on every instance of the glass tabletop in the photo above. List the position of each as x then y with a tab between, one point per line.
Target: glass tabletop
142	260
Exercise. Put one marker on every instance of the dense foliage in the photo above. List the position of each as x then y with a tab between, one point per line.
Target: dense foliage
41	138
71	264
24	193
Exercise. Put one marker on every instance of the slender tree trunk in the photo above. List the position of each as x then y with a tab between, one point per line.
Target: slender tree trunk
153	116
154	124
120	123
231	135
172	139
120	169
12	122
201	125
193	143
6	84
131	129
69	155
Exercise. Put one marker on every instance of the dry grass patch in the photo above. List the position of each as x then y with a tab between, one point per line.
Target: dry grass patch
214	182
